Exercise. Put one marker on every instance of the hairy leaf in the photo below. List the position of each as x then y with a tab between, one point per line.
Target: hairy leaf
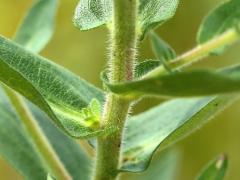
215	170
17	149
162	126
225	16
183	84
58	92
144	67
93	13
38	25
155	12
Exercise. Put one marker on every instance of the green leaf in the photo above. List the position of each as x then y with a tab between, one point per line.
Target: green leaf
93	13
222	18
163	51
153	13
38	25
145	66
164	125
58	92
215	170
182	84
163	167
17	149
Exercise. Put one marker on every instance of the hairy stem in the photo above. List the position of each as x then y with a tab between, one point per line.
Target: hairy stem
123	52
198	53
38	138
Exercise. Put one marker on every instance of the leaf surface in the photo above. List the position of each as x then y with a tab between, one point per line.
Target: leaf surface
164	125
93	13
55	90
215	170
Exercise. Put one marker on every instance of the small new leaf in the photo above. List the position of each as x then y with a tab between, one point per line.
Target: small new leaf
93	13
215	170
161	49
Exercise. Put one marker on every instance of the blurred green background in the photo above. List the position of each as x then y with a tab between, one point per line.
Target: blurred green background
85	54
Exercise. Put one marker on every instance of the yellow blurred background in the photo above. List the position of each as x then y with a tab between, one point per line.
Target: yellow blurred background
85	54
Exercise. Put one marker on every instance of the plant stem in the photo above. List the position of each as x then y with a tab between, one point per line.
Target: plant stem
38	138
198	53
123	53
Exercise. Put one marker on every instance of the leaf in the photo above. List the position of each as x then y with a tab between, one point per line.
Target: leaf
164	167
144	67
162	50
55	90
182	84
215	170
38	25
224	17
93	13
17	149
155	12
164	125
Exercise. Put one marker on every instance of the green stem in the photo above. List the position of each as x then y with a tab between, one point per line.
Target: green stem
38	138
123	53
198	53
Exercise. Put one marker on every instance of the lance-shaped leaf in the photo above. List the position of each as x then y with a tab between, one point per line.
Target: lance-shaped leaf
16	147
38	25
93	13
225	16
144	67
164	125
58	92
183	84
162	50
215	170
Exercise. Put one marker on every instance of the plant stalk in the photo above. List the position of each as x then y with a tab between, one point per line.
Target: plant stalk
38	138
121	65
198	53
